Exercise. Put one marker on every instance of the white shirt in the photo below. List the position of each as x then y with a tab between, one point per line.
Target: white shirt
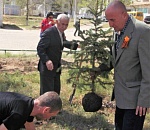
60	34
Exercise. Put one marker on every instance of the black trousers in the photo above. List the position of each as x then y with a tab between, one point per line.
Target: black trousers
125	119
77	31
48	83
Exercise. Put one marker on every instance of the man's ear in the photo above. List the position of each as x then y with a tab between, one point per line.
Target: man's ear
56	21
125	15
46	109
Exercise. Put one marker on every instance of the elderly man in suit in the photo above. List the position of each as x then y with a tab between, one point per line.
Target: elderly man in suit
50	49
131	68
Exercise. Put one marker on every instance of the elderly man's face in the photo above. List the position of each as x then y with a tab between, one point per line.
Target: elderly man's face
62	24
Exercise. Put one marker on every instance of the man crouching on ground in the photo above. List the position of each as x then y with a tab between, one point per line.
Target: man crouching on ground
17	109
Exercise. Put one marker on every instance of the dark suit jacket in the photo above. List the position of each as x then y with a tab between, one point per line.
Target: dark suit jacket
50	48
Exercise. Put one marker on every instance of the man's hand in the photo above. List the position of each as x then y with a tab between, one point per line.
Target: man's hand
2	127
29	126
50	22
93	75
79	45
94	72
141	111
49	65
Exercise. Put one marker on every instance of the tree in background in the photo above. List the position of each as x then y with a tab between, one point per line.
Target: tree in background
95	50
24	4
71	2
56	5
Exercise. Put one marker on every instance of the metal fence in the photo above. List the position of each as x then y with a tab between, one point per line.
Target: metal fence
9	50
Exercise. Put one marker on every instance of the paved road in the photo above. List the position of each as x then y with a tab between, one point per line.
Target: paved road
28	39
18	39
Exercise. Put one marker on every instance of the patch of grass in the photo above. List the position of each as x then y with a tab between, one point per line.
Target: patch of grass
27	84
73	117
19	22
11	55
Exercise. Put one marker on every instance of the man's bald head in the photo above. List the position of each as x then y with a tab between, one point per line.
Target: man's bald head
117	5
116	14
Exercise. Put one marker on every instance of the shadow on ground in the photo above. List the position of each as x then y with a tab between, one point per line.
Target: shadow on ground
70	121
11	27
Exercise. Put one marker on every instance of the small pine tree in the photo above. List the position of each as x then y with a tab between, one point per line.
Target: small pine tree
95	50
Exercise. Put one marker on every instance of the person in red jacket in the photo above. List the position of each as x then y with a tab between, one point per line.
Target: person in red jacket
47	22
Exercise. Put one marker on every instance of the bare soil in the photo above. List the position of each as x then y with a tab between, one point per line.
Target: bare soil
20	64
26	64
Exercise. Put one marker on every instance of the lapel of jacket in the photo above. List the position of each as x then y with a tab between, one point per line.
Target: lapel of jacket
128	32
57	36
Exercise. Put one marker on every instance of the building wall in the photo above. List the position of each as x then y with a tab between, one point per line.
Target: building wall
142	5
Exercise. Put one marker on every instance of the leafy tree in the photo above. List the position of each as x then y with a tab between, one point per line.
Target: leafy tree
28	5
23	4
71	6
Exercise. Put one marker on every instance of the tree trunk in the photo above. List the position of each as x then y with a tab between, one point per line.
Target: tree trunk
27	14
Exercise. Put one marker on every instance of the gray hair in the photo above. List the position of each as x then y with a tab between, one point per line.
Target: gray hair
62	16
51	99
